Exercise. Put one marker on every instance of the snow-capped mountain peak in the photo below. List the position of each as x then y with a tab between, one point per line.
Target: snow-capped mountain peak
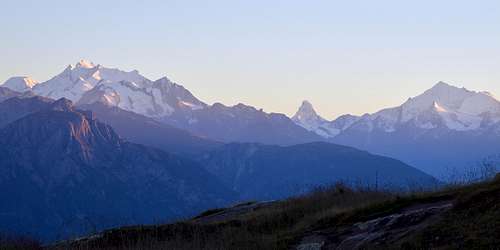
455	99
20	83
306	112
443	93
442	106
86	83
76	80
307	118
457	108
85	64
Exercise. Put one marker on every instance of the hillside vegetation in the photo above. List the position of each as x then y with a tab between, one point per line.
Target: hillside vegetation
328	218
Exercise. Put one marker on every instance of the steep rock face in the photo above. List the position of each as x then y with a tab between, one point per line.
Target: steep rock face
269	172
76	176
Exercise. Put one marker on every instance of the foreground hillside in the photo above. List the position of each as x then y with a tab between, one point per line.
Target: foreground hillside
334	218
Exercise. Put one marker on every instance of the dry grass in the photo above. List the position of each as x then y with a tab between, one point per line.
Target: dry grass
270	227
278	225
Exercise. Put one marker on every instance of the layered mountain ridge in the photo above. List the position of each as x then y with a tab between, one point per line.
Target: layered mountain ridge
241	123
443	105
444	129
86	83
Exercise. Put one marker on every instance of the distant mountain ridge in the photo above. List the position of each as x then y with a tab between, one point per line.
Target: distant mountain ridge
241	123
443	129
443	105
86	83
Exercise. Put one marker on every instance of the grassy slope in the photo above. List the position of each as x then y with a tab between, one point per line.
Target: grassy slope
472	222
273	226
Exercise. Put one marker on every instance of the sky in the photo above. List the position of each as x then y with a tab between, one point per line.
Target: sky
343	56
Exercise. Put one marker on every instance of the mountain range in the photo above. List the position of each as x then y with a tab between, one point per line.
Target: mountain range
86	83
444	129
96	147
70	173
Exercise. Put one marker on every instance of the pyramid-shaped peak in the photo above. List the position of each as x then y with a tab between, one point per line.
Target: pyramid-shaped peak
307	106
306	111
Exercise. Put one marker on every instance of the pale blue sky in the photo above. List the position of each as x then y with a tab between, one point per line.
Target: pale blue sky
343	56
